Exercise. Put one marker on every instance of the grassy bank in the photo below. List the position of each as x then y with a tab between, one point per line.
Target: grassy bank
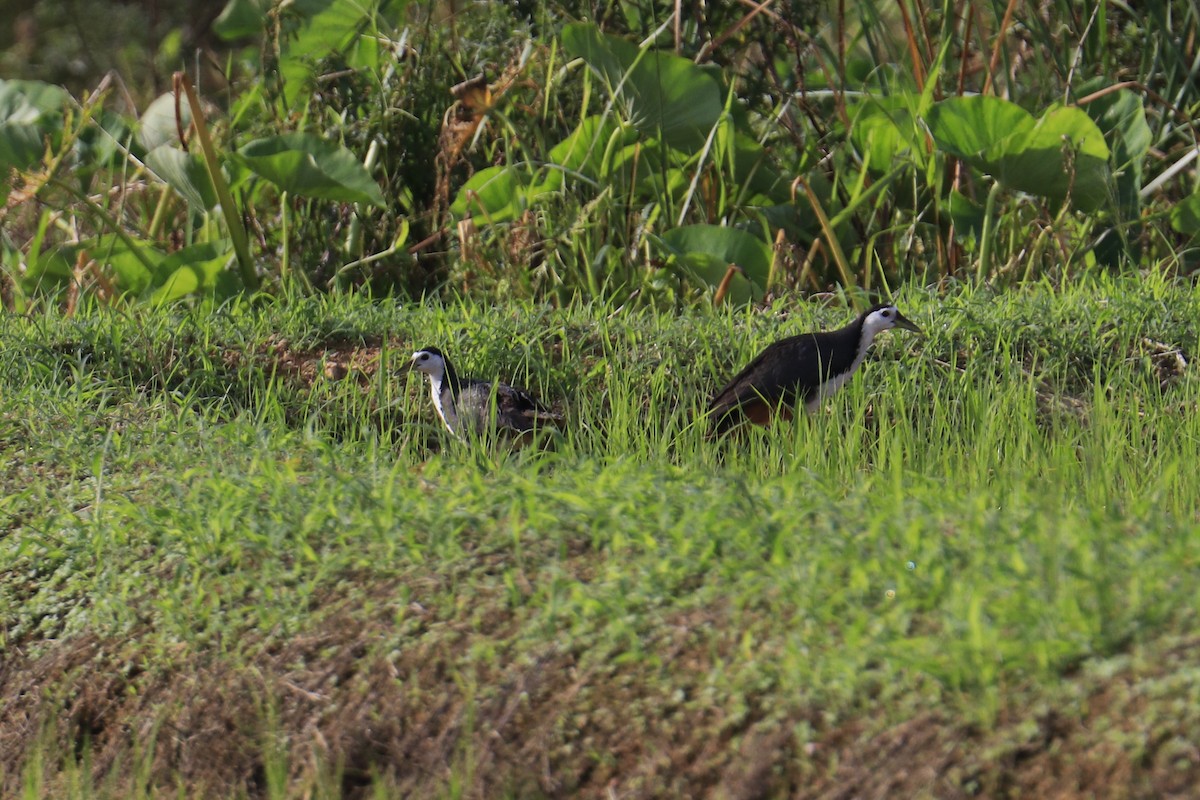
239	557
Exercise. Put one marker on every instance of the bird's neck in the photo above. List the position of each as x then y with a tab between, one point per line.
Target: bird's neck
864	335
444	391
449	381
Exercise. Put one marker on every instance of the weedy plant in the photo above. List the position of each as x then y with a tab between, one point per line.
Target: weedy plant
556	157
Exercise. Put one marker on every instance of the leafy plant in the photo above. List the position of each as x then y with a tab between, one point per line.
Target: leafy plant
669	147
555	158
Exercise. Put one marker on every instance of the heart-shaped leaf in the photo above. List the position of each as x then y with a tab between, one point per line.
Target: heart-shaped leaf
588	149
30	113
241	18
327	27
199	268
883	129
158	125
664	95
185	173
1185	215
968	127
307	165
1062	153
495	194
29	102
708	250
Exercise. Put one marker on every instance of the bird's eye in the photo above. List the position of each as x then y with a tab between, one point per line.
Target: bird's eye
887	313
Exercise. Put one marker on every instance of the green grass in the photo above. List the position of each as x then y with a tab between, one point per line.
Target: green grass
981	517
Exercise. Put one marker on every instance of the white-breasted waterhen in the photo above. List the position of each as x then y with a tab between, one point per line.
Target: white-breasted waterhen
807	369
475	407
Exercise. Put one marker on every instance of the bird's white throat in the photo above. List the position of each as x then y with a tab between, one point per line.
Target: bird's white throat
442	402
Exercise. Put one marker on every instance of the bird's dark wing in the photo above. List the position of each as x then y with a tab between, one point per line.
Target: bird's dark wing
774	375
519	409
518	400
782	373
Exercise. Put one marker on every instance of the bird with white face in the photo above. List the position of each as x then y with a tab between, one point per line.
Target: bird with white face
806	369
467	406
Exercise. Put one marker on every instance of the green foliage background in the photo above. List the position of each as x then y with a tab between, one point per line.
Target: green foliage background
558	150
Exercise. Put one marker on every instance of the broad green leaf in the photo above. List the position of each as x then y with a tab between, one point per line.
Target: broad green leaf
709	270
49	268
753	170
733	245
20	146
29	102
199	268
1185	215
129	273
967	215
642	163
1059	126
643	166
797	221
709	250
30	113
1064	153
185	173
241	18
663	95
586	148
307	165
100	145
495	194
1121	116
326	27
180	283
883	129
968	127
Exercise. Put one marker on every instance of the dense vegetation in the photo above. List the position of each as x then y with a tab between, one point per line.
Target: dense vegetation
239	558
538	149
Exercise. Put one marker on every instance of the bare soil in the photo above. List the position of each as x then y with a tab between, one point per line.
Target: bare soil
544	724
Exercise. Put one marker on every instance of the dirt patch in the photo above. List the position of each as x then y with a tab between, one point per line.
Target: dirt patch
545	723
345	702
335	360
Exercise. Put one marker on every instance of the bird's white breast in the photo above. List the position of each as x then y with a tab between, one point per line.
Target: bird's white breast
829	387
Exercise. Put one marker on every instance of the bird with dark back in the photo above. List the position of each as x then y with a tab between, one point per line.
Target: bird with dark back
804	369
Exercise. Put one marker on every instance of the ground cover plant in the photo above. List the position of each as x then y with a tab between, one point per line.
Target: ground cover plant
241	558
